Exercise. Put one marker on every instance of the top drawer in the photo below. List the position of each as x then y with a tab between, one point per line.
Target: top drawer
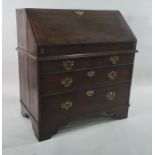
85	63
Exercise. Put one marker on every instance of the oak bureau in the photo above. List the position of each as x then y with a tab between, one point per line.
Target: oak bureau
73	65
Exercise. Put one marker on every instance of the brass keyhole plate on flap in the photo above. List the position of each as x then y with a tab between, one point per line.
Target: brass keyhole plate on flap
79	12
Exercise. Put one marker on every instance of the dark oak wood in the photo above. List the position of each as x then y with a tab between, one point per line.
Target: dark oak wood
83	105
51	83
93	50
56	66
67	27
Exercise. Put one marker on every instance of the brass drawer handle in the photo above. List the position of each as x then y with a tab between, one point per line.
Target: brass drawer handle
112	75
79	12
67	81
90	92
66	105
114	59
110	95
91	73
68	64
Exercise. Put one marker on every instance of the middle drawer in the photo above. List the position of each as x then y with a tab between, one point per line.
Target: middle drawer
76	80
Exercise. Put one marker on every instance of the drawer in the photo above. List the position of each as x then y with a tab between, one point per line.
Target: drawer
85	63
71	81
82	103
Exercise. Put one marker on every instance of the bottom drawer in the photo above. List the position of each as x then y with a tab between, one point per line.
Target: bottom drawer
70	106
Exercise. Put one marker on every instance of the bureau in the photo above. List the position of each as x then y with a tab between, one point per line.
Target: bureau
73	65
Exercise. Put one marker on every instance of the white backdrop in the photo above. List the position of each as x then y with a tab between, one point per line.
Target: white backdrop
130	137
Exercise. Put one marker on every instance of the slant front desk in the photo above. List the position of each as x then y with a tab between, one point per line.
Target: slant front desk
73	65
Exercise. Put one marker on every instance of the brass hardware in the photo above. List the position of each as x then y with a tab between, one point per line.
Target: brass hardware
112	75
90	92
110	95
66	105
91	73
68	64
114	59
79	12
67	81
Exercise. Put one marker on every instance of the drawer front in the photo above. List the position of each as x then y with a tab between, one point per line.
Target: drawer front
84	63
85	102
62	82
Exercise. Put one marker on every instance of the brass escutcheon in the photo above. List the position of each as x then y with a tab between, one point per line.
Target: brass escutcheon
112	75
110	95
79	12
90	92
114	59
67	81
68	64
91	73
66	105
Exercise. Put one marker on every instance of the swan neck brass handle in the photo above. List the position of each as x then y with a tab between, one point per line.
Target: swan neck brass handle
112	75
91	73
110	95
68	64
66	105
114	59
67	81
90	93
